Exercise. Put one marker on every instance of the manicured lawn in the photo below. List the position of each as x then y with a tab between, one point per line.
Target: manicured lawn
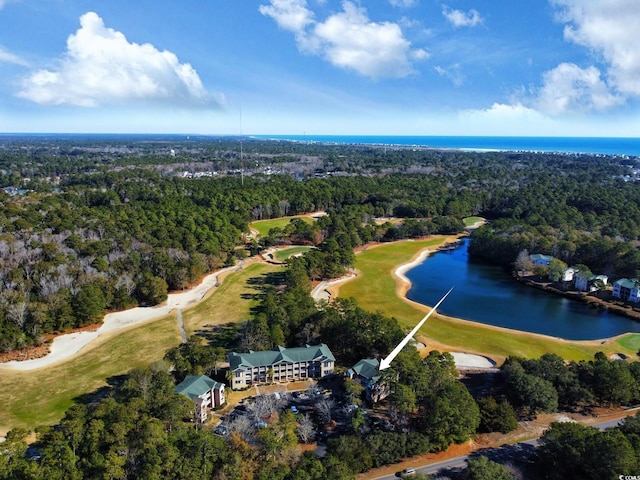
630	341
232	301
42	396
472	220
282	255
376	290
263	226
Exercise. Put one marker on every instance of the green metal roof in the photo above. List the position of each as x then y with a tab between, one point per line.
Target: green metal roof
278	355
626	283
195	385
540	256
367	368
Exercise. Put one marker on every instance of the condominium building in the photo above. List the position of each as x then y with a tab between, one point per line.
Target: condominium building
280	365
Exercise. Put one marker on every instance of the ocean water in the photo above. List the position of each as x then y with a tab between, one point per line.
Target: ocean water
587	145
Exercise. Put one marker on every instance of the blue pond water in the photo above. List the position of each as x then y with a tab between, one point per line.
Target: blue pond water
487	294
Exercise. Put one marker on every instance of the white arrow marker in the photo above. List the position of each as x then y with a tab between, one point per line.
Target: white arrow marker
387	361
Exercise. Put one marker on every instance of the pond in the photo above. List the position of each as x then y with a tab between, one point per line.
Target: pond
488	294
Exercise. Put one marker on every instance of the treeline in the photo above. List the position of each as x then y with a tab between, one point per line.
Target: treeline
572	451
549	384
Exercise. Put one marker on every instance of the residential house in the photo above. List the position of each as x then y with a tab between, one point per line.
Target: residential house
588	284
626	289
540	259
568	275
367	372
280	365
204	392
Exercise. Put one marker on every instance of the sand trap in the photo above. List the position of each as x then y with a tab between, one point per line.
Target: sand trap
468	360
66	346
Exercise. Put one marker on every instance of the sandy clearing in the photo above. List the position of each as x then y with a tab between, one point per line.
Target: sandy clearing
469	361
66	346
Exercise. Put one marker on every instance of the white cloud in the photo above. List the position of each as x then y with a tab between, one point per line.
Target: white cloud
403	3
102	67
609	28
453	73
458	18
569	88
7	57
348	39
292	15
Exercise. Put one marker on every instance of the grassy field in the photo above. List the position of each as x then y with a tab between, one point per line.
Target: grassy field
282	255
263	226
376	290
232	301
42	396
38	397
472	221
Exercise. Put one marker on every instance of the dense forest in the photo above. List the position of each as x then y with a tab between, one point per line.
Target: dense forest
95	224
101	223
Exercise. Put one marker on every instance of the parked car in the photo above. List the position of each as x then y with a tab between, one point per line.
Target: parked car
294	409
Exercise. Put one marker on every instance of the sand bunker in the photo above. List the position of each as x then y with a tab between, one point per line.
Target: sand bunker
468	360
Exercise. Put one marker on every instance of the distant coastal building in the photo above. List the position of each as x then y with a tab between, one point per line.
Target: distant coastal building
280	365
626	289
367	372
540	259
204	392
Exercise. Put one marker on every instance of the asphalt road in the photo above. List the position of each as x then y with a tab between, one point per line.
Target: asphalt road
507	453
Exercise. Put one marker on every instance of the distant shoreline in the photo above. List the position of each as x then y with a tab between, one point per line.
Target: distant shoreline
572	146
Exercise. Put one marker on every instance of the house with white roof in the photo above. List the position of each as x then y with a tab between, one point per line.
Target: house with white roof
626	289
280	365
585	283
204	392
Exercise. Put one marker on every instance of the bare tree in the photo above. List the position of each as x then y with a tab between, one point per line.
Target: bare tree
305	429
48	286
242	425
17	312
325	407
265	405
283	206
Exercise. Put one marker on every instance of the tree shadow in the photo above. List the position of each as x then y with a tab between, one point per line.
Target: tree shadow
262	284
226	335
106	391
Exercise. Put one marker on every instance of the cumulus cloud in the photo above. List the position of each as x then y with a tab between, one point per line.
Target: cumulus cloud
569	88
102	67
609	29
292	15
7	57
348	39
458	18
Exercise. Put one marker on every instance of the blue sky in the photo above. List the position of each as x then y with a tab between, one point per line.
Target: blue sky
397	67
